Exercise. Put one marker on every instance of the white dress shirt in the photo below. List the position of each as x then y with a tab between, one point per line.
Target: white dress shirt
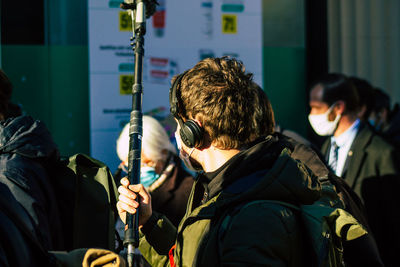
344	142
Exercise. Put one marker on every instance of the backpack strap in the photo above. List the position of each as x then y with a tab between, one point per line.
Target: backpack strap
94	179
87	199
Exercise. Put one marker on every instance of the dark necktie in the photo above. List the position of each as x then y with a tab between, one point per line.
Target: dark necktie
333	156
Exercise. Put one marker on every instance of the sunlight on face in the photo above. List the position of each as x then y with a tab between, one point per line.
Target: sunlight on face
316	104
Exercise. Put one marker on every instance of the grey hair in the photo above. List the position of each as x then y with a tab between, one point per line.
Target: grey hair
155	140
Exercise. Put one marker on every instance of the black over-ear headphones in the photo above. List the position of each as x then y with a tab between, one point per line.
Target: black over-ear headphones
191	132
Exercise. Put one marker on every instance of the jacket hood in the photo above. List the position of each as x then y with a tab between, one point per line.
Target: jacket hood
267	171
27	137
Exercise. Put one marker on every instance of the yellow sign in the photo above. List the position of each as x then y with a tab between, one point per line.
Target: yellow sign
125	84
229	24
125	21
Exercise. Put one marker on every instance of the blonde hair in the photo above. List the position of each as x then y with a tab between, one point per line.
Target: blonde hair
154	141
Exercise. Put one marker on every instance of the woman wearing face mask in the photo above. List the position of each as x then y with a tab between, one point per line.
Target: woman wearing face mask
162	172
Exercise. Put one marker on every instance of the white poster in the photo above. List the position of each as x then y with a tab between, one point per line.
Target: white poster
178	35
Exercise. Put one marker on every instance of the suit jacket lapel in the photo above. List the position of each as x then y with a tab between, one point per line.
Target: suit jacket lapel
356	156
326	147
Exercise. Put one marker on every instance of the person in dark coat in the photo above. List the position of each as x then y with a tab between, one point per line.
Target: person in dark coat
384	119
162	171
30	224
26	149
363	159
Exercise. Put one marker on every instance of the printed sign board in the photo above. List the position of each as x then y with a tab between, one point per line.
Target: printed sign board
178	35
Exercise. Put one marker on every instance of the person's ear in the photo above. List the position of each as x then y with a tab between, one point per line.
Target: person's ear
362	111
384	115
337	109
206	137
340	107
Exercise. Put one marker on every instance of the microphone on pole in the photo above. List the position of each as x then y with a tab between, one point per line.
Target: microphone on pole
139	11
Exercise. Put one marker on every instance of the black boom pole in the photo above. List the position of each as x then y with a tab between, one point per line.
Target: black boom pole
139	10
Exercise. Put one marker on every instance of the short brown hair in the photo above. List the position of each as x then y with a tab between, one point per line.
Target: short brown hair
231	107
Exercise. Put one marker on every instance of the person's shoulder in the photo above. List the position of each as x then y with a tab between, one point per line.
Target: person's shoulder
11	162
23	172
310	156
378	143
368	140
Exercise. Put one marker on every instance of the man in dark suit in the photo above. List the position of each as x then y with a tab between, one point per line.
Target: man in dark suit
364	160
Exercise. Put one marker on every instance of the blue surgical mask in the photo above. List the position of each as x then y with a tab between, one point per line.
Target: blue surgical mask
148	176
371	122
374	124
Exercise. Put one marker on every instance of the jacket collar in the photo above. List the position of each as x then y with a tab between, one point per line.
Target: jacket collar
259	156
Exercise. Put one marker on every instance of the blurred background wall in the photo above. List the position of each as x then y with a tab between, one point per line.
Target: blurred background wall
284	57
364	41
44	52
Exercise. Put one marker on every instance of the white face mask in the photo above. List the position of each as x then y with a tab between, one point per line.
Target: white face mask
322	125
185	157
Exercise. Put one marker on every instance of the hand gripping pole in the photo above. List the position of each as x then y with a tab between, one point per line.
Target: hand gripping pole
139	10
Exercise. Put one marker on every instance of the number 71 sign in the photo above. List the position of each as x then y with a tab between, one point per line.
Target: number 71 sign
229	24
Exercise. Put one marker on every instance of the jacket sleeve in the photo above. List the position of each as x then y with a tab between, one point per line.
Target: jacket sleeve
156	239
262	234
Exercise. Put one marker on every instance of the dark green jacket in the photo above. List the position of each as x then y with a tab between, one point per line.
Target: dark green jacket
372	170
267	234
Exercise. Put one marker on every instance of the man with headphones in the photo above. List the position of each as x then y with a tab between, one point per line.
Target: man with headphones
225	132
